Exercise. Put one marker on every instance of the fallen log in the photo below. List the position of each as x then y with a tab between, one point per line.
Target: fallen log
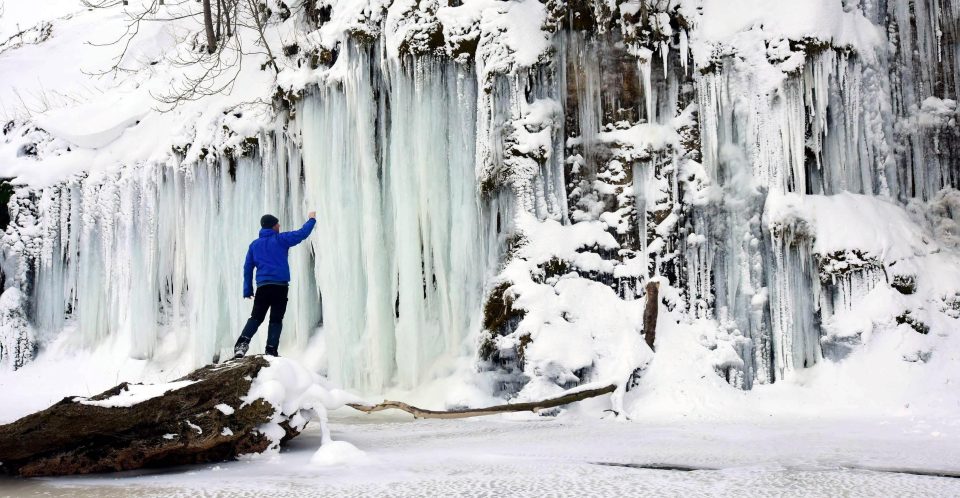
531	406
202	417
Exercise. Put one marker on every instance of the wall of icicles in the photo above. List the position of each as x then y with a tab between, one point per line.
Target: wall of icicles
149	258
418	168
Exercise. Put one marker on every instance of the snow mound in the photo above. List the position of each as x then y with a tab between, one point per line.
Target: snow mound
339	453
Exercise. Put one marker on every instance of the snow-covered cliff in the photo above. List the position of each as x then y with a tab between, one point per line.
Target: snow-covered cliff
497	181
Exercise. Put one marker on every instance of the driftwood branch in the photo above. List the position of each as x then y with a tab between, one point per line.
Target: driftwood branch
532	406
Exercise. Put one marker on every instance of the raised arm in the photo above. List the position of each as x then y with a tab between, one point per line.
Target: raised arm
295	237
248	275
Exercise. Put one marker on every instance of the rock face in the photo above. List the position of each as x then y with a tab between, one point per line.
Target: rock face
201	417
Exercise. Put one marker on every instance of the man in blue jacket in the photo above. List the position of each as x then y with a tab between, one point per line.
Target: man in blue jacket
268	254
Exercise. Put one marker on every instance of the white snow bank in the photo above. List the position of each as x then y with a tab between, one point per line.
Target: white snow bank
136	393
16	16
338	453
913	243
102	123
884	376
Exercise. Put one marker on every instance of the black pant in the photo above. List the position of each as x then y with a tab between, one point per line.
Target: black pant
273	298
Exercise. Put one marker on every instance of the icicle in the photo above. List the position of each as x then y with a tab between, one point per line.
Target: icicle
643	62
684	51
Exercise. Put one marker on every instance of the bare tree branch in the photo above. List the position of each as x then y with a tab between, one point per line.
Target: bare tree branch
533	406
255	12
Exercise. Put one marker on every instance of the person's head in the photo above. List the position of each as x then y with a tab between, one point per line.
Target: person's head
270	221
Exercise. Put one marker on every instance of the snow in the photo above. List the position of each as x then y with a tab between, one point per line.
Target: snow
850	221
18	16
348	16
298	396
570	324
935	113
511	35
338	453
728	22
550	240
133	394
225	409
194	427
101	120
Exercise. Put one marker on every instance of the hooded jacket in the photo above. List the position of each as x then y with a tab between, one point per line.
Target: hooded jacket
268	254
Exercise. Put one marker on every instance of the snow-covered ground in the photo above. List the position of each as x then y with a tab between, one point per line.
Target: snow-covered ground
571	457
830	432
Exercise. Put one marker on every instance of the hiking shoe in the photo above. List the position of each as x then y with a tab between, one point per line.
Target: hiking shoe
240	349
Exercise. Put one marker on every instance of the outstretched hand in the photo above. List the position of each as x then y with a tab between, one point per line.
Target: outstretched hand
312	215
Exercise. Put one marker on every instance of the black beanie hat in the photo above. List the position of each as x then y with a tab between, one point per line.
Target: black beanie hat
268	221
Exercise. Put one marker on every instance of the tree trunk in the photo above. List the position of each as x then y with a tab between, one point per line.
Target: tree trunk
533	406
310	8
229	4
208	27
650	313
219	18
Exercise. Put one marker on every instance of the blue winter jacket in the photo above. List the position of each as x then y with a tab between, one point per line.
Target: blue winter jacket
268	254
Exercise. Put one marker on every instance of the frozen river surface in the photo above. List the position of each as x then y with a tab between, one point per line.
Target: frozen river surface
500	457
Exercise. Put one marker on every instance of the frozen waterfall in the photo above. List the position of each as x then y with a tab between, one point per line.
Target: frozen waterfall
476	199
